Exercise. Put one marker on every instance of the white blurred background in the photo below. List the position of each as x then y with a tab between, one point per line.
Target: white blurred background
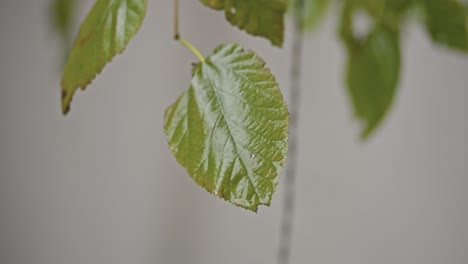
100	186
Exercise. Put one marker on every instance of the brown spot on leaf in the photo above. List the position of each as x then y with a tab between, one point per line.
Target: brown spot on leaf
82	42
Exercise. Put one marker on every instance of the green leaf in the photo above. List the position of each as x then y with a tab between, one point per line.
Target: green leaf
230	128
105	32
62	15
373	59
372	76
447	22
263	18
390	14
314	11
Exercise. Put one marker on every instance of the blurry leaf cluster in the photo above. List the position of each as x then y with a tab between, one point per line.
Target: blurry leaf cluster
374	58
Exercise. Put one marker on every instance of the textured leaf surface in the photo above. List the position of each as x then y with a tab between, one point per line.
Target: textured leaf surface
372	76
447	22
105	32
263	18
230	128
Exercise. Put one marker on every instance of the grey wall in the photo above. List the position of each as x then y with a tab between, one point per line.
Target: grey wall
101	187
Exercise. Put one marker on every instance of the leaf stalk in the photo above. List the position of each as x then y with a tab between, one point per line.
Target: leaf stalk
192	48
182	41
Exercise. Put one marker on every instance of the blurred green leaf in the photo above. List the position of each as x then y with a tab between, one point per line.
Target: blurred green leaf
345	29
314	11
230	128
447	22
63	14
373	59
389	13
394	12
399	6
263	18
105	32
372	76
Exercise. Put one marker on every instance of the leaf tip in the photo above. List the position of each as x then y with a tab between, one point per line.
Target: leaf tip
66	99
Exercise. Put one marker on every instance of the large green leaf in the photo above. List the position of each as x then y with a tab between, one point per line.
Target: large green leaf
372	76
263	18
230	128
105	32
447	22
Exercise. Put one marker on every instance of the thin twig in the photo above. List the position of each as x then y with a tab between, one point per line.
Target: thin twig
285	242
177	37
176	19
